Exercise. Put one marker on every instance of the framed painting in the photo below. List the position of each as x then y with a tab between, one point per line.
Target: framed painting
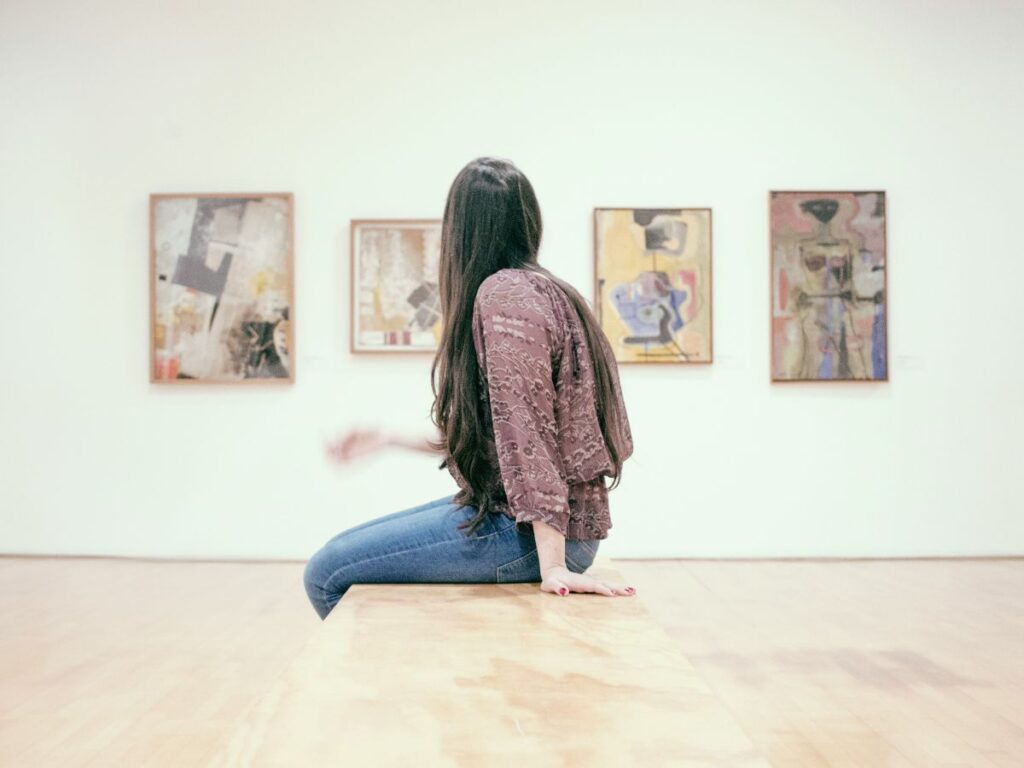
829	297
222	296
395	269
652	283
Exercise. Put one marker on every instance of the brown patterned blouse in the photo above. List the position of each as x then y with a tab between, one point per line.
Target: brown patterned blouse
544	435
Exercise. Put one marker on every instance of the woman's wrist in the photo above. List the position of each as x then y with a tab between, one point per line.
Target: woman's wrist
411	443
550	546
545	571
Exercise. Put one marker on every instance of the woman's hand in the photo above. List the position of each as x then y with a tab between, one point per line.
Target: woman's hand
357	443
562	581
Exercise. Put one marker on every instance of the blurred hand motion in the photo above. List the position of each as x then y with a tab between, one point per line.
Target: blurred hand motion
356	444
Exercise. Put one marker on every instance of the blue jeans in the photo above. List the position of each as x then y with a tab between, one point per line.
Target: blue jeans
423	545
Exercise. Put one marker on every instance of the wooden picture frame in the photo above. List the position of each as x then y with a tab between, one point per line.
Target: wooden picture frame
397	312
829	305
661	314
222	288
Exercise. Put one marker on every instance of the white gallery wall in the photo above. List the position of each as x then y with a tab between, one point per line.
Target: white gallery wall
368	110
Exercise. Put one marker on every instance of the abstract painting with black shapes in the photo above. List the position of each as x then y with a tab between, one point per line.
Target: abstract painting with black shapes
222	287
653	283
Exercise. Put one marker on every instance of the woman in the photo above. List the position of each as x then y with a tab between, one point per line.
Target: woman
529	411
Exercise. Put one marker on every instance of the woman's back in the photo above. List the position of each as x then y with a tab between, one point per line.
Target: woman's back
530	423
538	393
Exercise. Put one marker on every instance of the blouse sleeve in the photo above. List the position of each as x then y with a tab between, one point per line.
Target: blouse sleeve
516	335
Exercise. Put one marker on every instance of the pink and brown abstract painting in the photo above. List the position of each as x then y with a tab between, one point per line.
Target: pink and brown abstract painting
829	294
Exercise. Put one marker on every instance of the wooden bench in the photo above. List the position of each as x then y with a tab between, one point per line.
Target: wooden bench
488	675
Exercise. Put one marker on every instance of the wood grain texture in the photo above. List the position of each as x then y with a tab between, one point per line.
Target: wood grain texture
489	674
121	662
856	663
914	664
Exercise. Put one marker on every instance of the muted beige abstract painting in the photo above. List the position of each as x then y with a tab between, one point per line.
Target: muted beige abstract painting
395	300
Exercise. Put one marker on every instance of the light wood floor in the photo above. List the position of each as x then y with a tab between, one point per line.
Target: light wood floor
850	663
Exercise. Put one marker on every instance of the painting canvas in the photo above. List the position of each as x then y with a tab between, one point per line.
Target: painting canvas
829	302
221	288
395	269
652	276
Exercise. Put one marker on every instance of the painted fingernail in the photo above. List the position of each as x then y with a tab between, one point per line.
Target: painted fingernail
563	591
630	589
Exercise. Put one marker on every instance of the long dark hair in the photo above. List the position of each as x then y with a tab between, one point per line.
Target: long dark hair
492	221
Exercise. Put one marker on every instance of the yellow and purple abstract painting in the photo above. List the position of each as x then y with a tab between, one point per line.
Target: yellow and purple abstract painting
829	303
396	305
221	288
652	277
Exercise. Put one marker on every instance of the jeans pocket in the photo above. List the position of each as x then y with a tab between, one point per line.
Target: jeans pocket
525	568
